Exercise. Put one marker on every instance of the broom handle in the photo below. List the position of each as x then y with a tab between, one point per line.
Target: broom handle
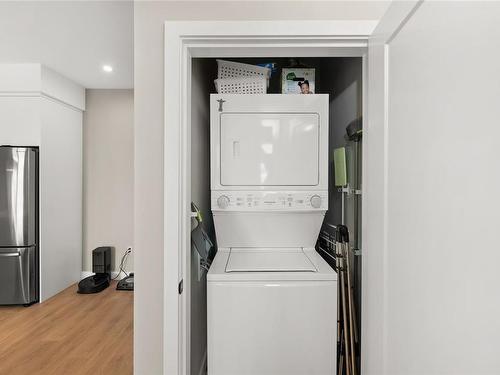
351	320
346	323
340	369
354	304
338	257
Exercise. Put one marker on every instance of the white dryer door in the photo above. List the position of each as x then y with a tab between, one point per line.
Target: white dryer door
269	149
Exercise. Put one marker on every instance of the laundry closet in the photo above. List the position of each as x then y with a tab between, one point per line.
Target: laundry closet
272	290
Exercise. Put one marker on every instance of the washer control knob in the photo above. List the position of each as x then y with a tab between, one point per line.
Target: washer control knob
223	201
316	201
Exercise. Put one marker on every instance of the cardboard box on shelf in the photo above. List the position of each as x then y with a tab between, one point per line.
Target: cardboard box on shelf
298	81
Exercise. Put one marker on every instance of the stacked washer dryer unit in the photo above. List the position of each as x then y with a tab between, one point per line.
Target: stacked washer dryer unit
272	300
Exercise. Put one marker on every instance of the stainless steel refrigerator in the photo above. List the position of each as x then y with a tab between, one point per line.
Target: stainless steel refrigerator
19	251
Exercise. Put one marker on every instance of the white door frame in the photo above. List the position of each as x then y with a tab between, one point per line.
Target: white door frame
183	41
374	229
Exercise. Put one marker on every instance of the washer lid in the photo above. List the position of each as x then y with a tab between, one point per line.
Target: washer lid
269	260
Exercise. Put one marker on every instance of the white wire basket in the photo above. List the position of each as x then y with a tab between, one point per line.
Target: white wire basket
242	85
231	69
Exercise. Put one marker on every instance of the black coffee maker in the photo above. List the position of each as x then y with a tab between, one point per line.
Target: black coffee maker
101	266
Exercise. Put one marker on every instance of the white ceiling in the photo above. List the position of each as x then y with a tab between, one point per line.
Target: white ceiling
74	38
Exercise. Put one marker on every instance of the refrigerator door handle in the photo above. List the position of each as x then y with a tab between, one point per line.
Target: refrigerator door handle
14	254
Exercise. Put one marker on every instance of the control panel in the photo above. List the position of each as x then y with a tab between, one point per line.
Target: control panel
272	201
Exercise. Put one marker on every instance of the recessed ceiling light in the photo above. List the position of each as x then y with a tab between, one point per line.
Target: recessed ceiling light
107	68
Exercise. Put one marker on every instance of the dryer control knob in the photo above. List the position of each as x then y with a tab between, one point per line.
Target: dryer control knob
316	201
223	201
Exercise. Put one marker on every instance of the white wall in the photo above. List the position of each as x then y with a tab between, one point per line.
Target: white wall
148	84
442	300
60	197
20	120
108	174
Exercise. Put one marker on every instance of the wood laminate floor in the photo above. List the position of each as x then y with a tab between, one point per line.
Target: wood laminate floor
69	334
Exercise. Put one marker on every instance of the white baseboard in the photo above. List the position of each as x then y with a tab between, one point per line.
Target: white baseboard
203	367
85	274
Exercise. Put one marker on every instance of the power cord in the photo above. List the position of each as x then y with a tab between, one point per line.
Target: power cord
123	263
